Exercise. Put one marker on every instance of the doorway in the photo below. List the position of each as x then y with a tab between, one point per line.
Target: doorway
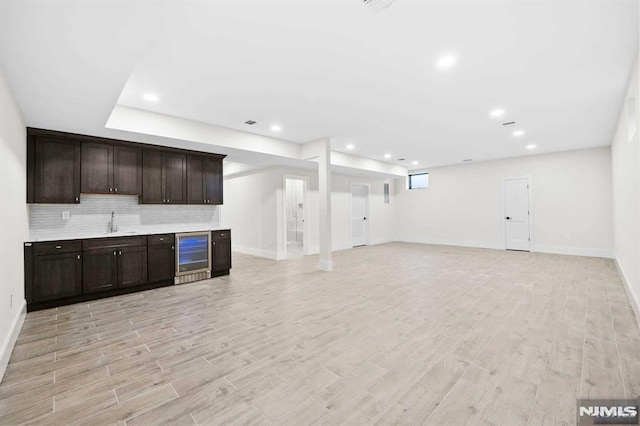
359	215
516	217
295	204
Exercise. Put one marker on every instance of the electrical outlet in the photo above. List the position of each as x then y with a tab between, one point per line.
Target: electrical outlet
65	215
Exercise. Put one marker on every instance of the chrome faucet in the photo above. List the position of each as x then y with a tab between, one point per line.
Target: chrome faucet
112	224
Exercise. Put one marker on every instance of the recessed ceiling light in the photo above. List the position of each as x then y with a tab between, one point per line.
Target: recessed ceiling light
446	61
275	128
497	113
150	97
387	156
531	146
351	147
415	163
518	133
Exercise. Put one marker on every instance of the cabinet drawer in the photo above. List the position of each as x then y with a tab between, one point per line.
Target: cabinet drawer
224	233
99	243
56	247
154	240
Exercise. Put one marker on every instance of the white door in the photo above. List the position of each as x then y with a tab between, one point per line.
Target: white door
359	213
516	213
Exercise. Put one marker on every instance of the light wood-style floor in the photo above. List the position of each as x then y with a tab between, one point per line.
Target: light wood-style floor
397	334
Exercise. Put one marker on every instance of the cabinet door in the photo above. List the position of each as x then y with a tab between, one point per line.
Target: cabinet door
132	266
97	168
57	171
195	180
213	180
99	270
152	177
174	168
162	263
221	254
127	170
56	276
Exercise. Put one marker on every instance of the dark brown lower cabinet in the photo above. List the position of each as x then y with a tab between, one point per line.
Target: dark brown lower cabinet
70	271
111	268
162	262
220	251
56	276
99	270
132	266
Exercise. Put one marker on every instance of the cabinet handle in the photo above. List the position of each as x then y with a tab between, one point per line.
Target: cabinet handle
78	257
58	247
173	248
116	190
161	239
110	189
214	243
77	199
114	253
120	253
168	200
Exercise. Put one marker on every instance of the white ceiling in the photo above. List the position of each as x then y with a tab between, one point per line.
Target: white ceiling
333	68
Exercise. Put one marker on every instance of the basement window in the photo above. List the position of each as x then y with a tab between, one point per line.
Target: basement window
419	180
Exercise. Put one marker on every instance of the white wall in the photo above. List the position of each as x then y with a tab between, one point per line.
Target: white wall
250	210
13	220
571	203
625	155
254	208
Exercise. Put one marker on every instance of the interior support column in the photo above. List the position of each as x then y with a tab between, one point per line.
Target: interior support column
324	192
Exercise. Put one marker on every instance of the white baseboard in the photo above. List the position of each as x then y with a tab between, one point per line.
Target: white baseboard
458	243
634	301
325	265
574	251
269	254
10	341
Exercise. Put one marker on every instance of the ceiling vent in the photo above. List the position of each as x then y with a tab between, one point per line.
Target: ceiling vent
378	5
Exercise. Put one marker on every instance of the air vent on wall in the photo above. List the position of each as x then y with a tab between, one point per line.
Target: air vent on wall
378	5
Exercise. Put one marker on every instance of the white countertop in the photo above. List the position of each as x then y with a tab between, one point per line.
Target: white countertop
144	231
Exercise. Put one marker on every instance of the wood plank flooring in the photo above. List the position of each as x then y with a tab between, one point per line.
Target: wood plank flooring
397	334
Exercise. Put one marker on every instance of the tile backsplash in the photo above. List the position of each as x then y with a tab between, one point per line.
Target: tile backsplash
91	217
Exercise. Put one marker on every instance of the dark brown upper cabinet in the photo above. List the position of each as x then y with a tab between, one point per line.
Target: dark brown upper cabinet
61	165
111	169
164	177
204	180
53	170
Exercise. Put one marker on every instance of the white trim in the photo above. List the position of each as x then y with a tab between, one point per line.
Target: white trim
573	251
10	341
502	213
325	265
368	217
633	300
458	243
269	254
